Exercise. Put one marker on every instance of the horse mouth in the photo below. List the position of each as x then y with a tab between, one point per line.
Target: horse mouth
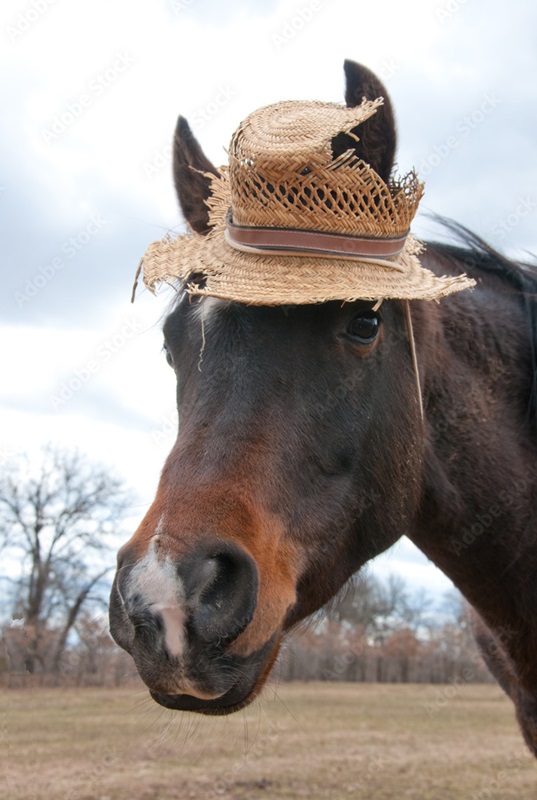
233	700
254	674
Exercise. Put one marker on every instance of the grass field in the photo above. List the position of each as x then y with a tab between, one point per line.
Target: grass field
377	742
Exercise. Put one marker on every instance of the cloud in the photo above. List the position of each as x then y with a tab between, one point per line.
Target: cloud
67	249
216	14
91	93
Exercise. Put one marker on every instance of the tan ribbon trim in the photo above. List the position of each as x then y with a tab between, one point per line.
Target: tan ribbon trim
324	244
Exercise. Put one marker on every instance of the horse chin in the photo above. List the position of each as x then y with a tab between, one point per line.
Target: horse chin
233	700
253	676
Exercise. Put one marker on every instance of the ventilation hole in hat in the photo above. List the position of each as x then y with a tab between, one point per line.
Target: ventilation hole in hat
291	198
334	196
324	200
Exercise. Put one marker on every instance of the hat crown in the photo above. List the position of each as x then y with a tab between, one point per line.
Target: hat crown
282	174
274	210
296	130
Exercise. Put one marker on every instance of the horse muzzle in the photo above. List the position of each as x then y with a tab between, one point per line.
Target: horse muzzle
180	621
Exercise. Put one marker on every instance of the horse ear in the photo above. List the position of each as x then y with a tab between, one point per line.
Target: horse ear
191	184
377	135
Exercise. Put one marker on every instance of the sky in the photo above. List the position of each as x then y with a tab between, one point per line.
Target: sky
90	93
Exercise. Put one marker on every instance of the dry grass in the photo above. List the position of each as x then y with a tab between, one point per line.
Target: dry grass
323	741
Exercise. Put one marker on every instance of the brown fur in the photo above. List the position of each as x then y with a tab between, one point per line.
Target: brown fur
306	449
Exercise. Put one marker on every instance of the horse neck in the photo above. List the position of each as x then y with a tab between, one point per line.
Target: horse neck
478	517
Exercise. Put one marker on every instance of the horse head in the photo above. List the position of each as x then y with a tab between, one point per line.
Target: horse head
298	458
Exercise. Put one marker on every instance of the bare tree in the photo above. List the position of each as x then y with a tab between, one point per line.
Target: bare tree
55	523
379	607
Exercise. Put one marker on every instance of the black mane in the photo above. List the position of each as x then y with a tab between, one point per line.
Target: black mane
478	259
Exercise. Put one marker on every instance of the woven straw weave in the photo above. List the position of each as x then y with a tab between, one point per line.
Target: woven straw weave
282	174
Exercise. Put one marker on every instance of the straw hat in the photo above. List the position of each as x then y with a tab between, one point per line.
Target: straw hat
291	224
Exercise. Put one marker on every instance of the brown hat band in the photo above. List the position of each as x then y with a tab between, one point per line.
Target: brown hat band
293	240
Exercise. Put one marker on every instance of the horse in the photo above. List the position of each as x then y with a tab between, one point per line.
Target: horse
302	453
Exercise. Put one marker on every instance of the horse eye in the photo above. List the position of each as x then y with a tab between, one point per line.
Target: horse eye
364	327
169	357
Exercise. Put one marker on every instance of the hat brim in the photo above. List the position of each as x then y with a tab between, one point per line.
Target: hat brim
210	266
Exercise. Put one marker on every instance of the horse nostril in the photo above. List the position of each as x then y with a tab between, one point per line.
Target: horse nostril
217	573
221	591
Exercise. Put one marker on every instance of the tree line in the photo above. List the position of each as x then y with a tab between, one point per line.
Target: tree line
59	520
60	524
380	632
